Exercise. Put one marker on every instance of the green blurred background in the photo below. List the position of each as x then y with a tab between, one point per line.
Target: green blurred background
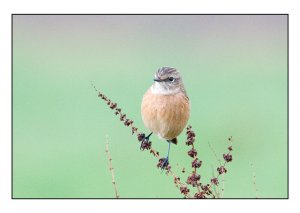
235	72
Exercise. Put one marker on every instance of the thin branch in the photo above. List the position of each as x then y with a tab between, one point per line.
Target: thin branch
195	171
223	175
218	159
94	86
223	185
111	169
214	188
178	182
254	181
222	170
214	152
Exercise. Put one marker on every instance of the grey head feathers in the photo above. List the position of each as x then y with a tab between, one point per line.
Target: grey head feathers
167	81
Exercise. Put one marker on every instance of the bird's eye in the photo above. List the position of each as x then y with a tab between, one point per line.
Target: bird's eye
171	79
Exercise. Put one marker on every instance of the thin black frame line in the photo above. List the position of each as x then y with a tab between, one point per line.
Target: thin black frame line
150	198
288	100
12	129
163	14
137	198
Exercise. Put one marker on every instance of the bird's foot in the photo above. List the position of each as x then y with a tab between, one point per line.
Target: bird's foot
163	163
145	143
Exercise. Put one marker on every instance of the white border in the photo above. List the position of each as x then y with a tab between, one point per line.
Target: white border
154	6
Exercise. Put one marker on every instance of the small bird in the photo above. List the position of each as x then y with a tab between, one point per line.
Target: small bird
165	107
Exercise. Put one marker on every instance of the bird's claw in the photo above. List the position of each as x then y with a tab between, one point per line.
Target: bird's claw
164	164
145	144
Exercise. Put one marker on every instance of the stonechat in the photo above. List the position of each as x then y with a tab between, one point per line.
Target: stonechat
165	107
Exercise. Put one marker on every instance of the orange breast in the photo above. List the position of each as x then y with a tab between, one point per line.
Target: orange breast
165	115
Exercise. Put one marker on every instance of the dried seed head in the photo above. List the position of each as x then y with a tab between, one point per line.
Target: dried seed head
146	145
227	157
122	117
192	153
133	130
205	187
190	134
184	190
128	122
117	111
200	195
140	136
221	170
176	180
193	179
196	163
162	164
155	153
214	181
168	168
230	148
190	141
100	95
113	105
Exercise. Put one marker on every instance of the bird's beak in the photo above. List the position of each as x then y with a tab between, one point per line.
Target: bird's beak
157	80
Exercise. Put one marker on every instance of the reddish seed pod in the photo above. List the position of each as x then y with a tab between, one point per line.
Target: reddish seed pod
146	145
221	170
184	190
205	187
214	181
133	130
113	105
196	163
227	157
140	136
122	117
192	153
193	179
200	195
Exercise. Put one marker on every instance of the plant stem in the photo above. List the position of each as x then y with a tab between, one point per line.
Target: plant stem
111	169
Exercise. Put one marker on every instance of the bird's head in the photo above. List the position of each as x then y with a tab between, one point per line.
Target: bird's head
167	80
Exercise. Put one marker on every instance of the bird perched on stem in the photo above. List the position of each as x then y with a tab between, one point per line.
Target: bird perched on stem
165	107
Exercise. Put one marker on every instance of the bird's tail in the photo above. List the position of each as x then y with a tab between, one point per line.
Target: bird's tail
174	141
